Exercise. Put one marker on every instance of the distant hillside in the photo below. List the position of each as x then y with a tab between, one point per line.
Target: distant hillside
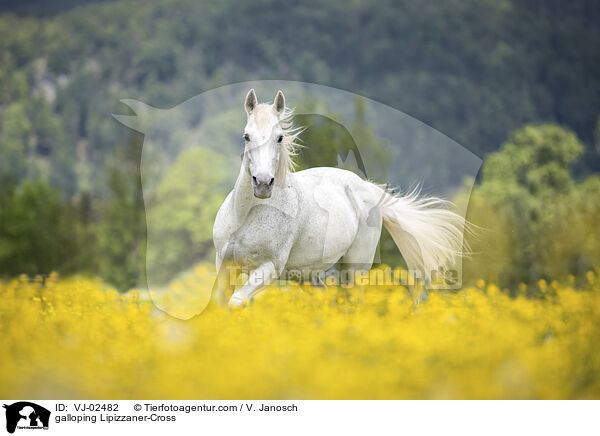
475	70
40	8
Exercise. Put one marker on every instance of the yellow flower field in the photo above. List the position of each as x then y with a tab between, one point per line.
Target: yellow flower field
74	338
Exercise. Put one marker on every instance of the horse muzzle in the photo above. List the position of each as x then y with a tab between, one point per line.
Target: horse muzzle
262	186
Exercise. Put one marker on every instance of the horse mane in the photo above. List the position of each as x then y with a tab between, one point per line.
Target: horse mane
290	144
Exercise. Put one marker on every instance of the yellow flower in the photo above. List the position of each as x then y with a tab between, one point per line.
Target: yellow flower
542	285
371	341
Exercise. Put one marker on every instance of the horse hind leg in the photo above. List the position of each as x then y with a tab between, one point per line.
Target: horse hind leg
317	281
313	283
360	255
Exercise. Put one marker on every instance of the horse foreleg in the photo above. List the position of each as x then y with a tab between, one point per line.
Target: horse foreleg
259	278
226	279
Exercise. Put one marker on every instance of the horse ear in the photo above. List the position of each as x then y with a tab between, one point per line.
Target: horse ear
251	102
279	103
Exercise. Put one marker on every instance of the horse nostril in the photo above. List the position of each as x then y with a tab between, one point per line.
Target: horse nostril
271	182
254	179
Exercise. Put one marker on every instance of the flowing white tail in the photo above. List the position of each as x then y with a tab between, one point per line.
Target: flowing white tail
428	235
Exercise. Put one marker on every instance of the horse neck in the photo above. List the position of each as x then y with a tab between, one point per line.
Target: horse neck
243	195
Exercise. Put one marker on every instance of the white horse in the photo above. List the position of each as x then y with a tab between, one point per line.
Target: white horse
278	221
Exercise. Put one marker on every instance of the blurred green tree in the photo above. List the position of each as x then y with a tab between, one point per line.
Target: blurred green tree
122	232
182	213
40	233
539	222
15	135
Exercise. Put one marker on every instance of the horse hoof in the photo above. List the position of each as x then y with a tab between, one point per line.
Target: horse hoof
236	302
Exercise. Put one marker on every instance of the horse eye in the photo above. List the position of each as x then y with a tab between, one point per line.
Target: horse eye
246	137
279	138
